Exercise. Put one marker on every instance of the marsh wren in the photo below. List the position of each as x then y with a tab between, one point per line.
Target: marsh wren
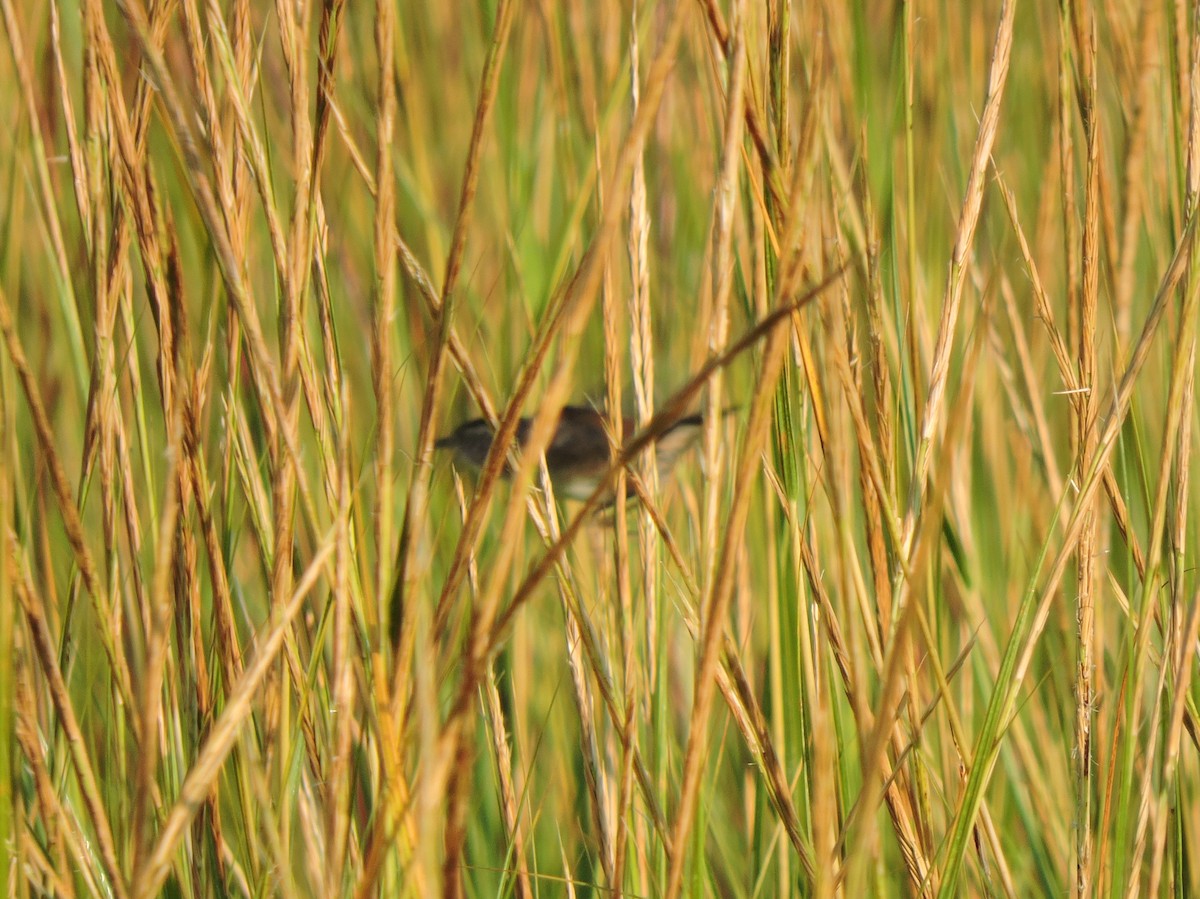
580	452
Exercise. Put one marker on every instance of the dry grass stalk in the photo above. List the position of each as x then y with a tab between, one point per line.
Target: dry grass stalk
1089	548
218	325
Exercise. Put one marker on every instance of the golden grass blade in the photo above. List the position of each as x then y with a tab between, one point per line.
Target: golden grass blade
207	766
44	647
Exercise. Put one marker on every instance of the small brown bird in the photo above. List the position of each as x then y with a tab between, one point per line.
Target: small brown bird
580	452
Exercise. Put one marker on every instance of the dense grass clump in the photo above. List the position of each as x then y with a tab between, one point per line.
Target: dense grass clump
917	616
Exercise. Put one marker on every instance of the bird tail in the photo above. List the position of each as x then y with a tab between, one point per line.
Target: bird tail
678	438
